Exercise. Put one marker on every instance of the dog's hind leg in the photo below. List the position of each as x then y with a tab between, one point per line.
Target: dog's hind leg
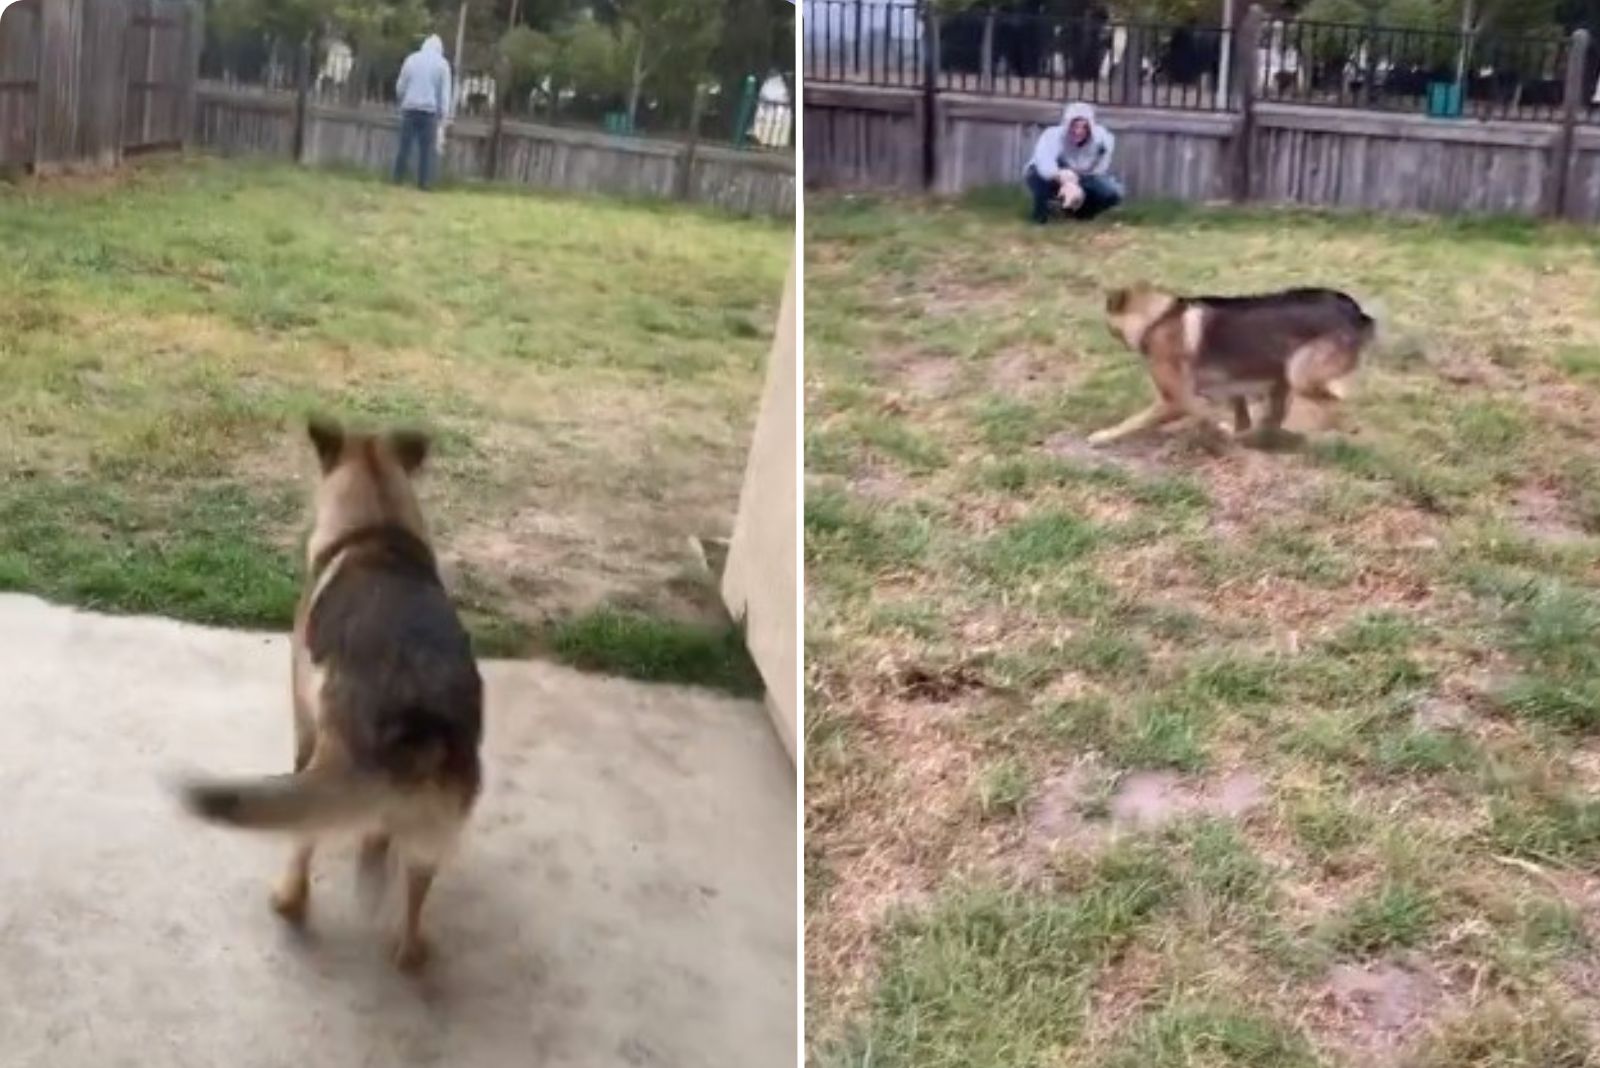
1321	369
1270	434
1241	415
1158	414
412	950
372	868
425	834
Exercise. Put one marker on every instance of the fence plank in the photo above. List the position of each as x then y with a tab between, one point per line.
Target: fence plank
103	80
60	51
19	83
238	121
1250	35
1572	92
869	137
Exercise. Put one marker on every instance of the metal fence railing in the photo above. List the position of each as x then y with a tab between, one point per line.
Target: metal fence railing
1443	74
756	113
864	43
886	43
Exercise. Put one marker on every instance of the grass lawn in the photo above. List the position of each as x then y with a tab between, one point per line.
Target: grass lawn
1163	756
590	369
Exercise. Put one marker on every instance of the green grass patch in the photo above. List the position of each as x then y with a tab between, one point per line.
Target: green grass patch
1038	543
1190	1034
1000	979
656	650
1396	915
164	334
1392	623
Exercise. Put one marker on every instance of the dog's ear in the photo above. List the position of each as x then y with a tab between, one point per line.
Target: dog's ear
410	448
1116	301
328	437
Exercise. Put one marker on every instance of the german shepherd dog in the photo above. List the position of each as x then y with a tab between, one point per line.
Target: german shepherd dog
1299	342
388	703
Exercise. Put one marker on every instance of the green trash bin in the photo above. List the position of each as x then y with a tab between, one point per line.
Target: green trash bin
1444	100
617	123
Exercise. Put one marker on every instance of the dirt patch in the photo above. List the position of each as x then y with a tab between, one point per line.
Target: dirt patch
1544	516
945	296
549	565
936	683
887	832
1248	487
1375	1010
1141	457
1058	814
880	484
1469	369
1151	799
1436	713
1026	372
921	376
1085	805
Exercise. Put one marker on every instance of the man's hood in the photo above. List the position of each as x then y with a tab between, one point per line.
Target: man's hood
433	46
1078	110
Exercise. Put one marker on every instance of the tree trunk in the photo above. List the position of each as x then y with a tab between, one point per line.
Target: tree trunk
637	85
1466	44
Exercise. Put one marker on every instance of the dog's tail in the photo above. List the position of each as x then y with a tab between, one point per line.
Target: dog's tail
304	801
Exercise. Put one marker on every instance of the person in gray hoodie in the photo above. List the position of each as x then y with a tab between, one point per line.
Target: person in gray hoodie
424	93
1080	145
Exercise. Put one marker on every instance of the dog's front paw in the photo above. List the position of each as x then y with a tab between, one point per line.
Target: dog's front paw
290	903
410	954
1101	437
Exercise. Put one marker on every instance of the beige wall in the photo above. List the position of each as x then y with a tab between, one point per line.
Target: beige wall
761	583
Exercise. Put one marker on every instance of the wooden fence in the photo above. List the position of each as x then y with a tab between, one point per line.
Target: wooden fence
84	82
860	136
242	121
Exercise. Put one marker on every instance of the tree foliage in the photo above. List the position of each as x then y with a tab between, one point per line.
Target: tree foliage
639	54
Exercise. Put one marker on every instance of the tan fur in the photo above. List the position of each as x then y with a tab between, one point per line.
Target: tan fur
1143	318
365	483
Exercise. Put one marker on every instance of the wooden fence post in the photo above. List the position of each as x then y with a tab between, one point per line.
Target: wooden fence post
302	82
988	50
1127	75
1566	144
930	94
1246	59
193	44
56	96
691	148
491	165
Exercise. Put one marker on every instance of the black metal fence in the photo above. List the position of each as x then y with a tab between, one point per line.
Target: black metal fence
865	43
755	113
1446	75
901	44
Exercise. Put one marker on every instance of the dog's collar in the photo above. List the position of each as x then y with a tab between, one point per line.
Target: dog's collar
389	533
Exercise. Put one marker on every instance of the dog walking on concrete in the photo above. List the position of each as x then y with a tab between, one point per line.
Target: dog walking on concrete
388	702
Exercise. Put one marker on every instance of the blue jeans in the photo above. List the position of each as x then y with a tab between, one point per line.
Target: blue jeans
1101	193
418	128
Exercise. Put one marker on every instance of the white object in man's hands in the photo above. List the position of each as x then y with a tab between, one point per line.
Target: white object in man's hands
443	126
1071	191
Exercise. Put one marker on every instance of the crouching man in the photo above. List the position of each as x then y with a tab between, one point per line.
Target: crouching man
1071	168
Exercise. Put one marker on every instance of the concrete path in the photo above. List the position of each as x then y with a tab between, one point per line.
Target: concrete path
625	895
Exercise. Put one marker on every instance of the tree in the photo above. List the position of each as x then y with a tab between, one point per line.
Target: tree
655	33
380	33
580	56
